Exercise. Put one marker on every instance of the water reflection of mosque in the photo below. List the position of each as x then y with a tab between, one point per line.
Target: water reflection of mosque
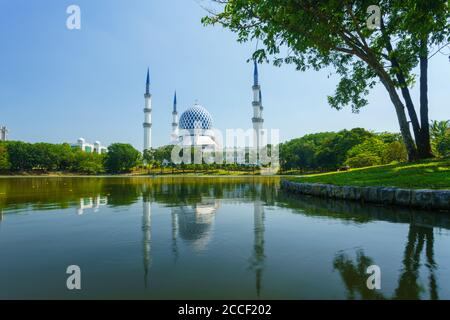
194	225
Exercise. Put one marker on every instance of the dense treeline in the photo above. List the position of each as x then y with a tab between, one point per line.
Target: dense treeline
17	156
354	148
325	151
329	151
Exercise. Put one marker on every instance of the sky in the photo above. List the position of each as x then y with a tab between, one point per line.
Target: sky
57	85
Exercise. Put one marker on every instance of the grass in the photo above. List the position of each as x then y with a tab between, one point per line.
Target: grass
429	174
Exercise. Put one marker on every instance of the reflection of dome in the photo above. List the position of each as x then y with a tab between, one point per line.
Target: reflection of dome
196	117
194	223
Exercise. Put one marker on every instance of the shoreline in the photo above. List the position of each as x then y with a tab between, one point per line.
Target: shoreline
142	176
427	199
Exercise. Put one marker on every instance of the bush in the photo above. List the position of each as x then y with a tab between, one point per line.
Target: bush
363	160
395	152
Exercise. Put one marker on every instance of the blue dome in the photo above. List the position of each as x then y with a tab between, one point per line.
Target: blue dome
196	117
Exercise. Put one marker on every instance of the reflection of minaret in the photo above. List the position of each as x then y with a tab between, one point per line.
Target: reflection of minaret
147	237
258	246
174	233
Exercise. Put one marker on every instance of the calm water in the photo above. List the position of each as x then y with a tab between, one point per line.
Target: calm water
192	238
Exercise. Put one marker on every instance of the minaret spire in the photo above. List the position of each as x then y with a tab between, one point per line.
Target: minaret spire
147	84
255	74
175	119
175	102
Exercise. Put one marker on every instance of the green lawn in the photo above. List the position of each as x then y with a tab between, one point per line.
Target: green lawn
431	174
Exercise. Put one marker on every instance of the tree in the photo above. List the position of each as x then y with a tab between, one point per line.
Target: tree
121	158
87	163
330	33
21	155
374	146
5	165
333	152
440	133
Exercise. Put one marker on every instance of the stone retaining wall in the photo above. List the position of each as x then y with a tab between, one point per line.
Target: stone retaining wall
424	199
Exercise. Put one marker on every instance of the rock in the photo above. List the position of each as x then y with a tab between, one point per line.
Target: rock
441	199
308	188
387	195
338	192
403	197
422	198
373	194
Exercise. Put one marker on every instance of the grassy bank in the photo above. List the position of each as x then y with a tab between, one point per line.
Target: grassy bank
431	174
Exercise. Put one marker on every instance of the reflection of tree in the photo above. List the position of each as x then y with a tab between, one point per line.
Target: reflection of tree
408	286
354	273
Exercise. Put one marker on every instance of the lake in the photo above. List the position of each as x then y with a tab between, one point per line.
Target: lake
211	238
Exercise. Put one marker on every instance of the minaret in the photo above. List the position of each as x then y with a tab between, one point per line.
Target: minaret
3	133
175	119
148	115
257	111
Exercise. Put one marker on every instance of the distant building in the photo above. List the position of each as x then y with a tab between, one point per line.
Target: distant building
96	147
3	133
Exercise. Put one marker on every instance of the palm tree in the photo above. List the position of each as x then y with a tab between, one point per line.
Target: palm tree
440	137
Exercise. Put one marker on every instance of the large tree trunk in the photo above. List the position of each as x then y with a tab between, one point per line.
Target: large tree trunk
423	142
401	116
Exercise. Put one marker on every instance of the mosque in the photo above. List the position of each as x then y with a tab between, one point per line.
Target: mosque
194	128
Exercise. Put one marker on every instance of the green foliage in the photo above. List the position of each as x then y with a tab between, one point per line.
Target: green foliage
158	155
330	33
5	165
21	156
121	158
87	163
364	159
355	148
45	157
440	137
334	35
395	152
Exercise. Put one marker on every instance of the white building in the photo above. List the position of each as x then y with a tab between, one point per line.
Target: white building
3	133
95	147
194	128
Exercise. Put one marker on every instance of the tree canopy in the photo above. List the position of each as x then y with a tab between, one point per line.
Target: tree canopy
336	34
121	158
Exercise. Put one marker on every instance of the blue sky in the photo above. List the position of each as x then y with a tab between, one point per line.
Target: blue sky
57	85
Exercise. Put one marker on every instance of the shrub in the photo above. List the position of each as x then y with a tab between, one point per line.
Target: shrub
361	160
